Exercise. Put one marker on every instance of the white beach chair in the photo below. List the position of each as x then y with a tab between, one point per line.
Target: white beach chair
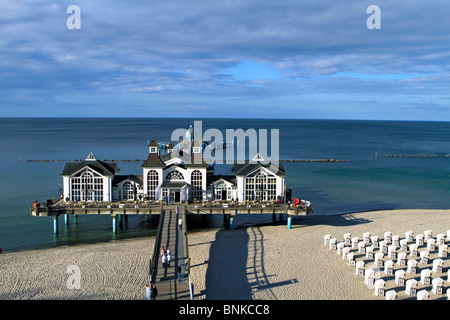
411	285
396	240
443	251
369	252
448	234
409	236
359	268
391	252
423	295
379	287
413	250
424	257
437	265
425	276
355	241
375	241
440	239
379	259
366	237
428	234
400	277
419	239
347	238
345	252
404	245
333	244
448	294
389	267
362	247
369	278
431	244
391	295
326	239
412	266
339	247
437	286
388	236
383	246
351	259
401	259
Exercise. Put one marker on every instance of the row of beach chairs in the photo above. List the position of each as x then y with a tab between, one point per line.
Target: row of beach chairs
397	251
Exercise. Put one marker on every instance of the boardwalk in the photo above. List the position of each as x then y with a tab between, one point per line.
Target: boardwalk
172	236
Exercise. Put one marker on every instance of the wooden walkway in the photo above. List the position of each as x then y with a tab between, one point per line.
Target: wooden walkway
172	236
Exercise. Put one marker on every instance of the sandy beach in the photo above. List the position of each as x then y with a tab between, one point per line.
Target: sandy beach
259	262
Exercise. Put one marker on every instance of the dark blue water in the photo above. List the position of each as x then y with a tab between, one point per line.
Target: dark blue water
365	182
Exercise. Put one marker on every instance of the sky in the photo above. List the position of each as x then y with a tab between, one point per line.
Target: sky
310	59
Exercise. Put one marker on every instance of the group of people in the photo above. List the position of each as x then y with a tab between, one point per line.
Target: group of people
166	257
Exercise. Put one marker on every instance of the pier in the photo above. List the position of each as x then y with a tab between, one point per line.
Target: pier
171	283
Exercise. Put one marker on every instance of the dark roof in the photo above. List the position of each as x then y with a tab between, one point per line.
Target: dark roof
153	143
103	168
169	155
210	179
120	178
173	184
243	169
153	161
197	161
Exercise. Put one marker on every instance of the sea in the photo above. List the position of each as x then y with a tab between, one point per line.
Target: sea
382	165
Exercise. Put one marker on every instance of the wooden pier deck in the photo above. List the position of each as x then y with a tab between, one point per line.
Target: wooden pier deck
171	236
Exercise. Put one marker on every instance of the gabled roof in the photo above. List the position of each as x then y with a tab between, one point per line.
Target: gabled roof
121	178
153	161
103	168
245	169
210	179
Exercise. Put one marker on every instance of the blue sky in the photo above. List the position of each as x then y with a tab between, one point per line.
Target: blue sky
311	59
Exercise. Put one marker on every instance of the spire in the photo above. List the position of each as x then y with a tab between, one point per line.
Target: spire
90	157
153	146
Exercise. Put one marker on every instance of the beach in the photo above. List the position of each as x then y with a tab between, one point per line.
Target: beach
268	262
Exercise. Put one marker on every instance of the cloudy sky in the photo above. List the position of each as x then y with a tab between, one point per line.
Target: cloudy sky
312	59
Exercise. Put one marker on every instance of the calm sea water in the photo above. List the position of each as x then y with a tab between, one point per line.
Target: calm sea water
365	182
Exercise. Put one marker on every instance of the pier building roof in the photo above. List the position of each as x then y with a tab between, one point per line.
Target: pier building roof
103	168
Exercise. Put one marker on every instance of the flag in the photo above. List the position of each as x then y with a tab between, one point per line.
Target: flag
183	193
157	193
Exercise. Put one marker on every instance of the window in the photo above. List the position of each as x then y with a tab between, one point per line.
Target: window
260	186
196	185
174	175
128	191
87	186
152	184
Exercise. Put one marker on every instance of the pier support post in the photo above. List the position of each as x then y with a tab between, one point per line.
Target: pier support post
289	222
55	224
114	222
75	216
66	219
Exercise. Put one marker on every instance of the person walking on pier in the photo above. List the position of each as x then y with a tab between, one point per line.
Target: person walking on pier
169	258
154	292
164	260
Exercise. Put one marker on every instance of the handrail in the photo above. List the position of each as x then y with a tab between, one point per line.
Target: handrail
154	260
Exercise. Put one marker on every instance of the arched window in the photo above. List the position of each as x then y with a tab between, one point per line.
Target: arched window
87	186
152	184
128	191
174	175
260	186
196	185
